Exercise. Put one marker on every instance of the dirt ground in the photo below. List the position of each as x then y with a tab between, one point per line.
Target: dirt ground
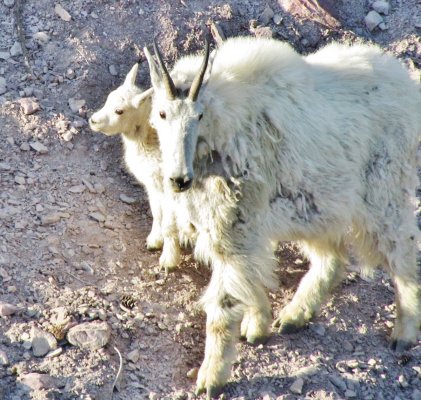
73	223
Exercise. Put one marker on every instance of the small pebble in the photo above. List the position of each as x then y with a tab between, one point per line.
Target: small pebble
350	394
37	381
113	70
39	147
16	49
97	216
9	3
4	360
29	105
372	19
133	356
297	386
266	15
89	335
62	13
42	342
76	104
192	373
127	199
382	7
7	309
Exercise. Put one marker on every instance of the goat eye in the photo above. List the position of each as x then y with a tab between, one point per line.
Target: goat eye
119	111
162	114
200	116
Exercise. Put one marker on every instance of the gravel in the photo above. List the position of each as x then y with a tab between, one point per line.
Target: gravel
73	223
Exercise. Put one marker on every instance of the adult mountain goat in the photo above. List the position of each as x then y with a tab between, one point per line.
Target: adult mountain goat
264	145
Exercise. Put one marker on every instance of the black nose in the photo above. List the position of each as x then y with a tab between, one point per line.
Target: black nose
181	184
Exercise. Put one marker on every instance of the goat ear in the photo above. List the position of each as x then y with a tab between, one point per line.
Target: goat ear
142	97
154	71
131	76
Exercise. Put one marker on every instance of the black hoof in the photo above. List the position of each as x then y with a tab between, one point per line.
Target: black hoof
400	345
289	328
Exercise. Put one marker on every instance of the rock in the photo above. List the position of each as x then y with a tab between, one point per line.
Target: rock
76	104
7	309
382	7
266	15
4	166
277	19
297	386
99	188
16	49
42	342
41	37
417	24
51	218
416	395
54	353
29	105
62	13
133	356
263	32
347	346
383	26
89	335
20	180
9	3
350	394
337	381
39	147
318	329
98	216
127	199
4	55
3	86
37	381
24	146
307	371
4	360
77	189
113	70
372	19
402	381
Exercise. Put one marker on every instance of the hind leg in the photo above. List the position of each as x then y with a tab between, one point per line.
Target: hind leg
327	267
256	320
403	269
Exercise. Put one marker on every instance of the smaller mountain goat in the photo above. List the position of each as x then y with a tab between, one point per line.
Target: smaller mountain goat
127	111
318	149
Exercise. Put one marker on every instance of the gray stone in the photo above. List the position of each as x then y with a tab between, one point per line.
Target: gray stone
4	55
266	15
133	356
4	360
76	104
89	335
297	386
127	199
37	381
307	371
38	147
9	3
350	394
16	49
77	189
382	7
277	19
113	70
372	19
337	381
62	13
29	105
7	309
3	86
42	342
318	329
98	216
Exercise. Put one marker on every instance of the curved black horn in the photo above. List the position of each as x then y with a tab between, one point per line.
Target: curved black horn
168	82
198	80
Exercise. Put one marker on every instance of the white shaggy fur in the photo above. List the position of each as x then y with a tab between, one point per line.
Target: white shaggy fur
317	149
127	111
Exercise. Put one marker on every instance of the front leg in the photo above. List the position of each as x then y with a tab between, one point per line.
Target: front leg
222	333
155	239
